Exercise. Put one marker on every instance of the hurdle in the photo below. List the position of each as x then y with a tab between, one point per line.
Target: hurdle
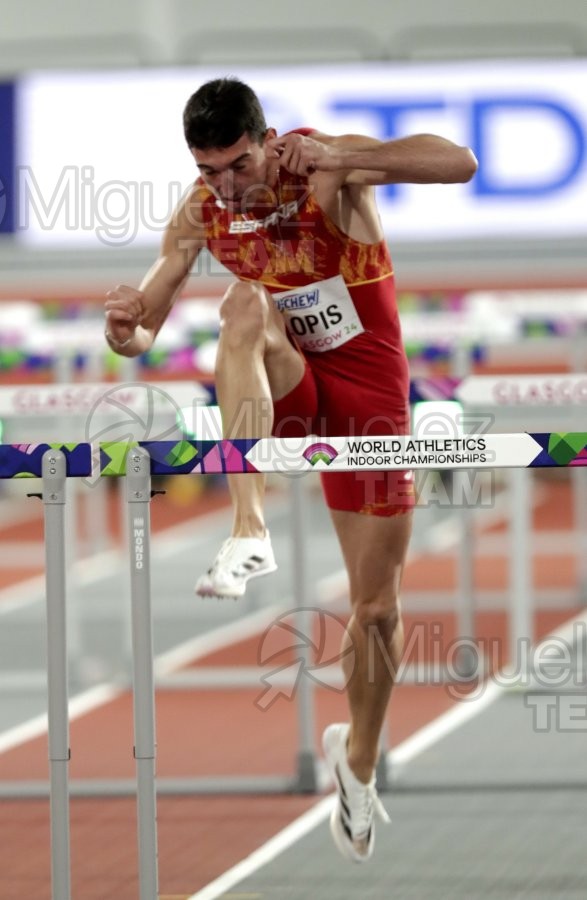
61	412
138	462
557	398
28	407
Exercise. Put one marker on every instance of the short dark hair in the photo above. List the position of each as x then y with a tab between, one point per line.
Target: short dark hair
220	112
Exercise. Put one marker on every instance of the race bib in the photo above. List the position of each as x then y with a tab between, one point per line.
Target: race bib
320	316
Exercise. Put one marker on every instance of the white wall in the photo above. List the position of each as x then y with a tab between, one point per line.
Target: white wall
82	32
36	34
77	33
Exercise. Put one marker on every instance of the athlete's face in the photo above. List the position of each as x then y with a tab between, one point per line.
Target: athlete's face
241	176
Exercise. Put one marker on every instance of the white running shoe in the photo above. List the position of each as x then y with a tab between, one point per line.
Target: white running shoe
351	822
238	560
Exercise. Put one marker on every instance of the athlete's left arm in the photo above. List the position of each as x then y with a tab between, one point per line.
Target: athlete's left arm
417	159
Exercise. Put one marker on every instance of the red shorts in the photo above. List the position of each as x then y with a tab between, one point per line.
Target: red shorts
358	403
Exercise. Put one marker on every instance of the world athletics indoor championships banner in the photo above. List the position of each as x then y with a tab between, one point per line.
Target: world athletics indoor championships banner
292	455
340	454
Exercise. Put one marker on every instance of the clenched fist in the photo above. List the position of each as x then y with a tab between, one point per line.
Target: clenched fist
124	310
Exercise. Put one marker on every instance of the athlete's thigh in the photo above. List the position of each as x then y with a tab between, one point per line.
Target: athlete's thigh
284	364
374	550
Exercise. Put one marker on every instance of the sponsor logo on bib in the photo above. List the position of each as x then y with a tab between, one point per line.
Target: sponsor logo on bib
321	316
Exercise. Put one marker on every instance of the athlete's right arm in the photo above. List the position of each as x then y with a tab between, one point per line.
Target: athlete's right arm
134	317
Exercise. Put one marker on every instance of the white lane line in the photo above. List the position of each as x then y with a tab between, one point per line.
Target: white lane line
442	726
17	596
412	747
276	845
300	827
217	639
175	539
78	706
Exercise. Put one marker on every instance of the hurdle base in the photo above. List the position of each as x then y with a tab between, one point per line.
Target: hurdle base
383	779
127	787
307	777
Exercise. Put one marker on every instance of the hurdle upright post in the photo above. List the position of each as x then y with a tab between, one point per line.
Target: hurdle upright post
521	610
307	779
465	593
64	372
578	480
138	495
54	479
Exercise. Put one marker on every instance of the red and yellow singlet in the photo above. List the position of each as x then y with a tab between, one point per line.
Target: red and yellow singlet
337	296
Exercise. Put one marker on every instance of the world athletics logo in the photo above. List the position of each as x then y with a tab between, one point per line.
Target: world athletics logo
320	453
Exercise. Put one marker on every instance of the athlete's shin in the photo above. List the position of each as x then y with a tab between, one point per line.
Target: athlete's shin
375	634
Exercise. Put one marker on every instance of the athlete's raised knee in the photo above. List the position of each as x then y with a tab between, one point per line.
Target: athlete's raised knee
244	316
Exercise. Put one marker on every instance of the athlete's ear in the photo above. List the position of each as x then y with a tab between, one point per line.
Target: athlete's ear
271	151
